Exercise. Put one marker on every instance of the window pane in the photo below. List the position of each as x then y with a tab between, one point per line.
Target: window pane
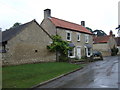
68	36
78	37
71	52
88	51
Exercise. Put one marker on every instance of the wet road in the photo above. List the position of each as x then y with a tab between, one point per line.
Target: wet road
99	74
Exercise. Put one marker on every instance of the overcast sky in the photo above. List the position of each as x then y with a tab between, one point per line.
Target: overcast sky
97	14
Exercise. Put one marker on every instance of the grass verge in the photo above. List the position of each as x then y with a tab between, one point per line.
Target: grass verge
25	76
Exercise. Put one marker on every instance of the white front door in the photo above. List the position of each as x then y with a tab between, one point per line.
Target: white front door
79	52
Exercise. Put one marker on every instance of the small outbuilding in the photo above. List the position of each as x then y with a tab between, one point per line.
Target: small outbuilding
104	44
26	44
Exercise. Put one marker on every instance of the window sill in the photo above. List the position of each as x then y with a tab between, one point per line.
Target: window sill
71	56
68	40
86	42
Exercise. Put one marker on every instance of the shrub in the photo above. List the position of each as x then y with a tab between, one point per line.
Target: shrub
114	51
60	46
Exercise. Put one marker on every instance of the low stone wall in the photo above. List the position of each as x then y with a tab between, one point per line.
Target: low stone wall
105	53
8	62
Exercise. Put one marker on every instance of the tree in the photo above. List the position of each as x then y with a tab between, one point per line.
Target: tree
0	29
60	47
99	32
114	51
89	29
16	25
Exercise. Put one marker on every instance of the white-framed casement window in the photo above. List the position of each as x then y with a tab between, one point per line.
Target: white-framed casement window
88	51
86	38
68	36
71	53
78	36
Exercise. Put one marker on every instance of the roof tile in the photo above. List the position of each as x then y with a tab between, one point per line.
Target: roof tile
69	25
101	39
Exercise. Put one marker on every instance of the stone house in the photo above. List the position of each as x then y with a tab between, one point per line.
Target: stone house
104	44
26	44
77	35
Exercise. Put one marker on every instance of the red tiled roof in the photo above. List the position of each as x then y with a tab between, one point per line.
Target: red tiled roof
101	39
69	25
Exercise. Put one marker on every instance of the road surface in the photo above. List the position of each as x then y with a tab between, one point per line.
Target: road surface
99	74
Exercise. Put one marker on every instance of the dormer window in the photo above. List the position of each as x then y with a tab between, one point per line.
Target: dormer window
68	36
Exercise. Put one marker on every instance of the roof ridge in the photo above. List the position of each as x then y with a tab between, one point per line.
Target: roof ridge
103	36
66	21
69	25
19	26
10	33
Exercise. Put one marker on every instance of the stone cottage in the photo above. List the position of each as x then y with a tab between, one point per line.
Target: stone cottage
26	44
77	35
104	44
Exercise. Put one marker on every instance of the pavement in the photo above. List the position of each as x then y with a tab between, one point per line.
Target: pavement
99	74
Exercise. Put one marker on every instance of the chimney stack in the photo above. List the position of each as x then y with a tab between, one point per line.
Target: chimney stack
83	23
111	33
47	13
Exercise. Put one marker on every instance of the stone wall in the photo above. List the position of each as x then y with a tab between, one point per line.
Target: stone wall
103	48
49	26
29	46
81	43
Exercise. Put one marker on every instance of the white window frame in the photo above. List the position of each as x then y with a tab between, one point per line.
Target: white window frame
73	53
78	35
67	35
87	52
86	38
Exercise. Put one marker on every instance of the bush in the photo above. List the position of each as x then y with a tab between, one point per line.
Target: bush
84	57
59	46
63	58
114	51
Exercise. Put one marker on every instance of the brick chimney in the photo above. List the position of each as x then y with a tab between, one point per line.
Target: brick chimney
47	13
110	33
83	23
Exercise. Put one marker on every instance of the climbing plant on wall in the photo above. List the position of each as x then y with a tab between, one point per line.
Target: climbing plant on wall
59	46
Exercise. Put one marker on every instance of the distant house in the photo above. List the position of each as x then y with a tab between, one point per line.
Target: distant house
26	44
75	34
104	44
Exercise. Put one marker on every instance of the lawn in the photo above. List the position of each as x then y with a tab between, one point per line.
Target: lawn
28	75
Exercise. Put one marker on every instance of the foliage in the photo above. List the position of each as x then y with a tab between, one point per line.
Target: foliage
99	33
114	51
84	57
89	29
28	75
63	58
59	46
16	25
